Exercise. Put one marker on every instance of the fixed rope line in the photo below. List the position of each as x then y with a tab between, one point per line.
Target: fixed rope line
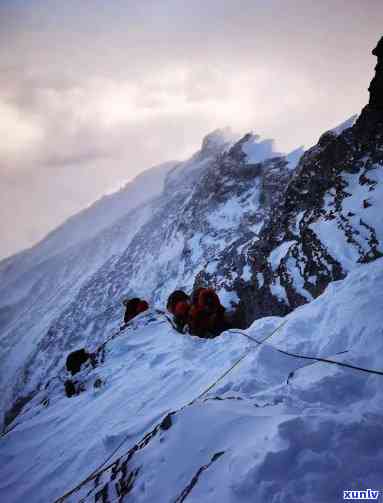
235	364
291	375
312	358
121	329
102	468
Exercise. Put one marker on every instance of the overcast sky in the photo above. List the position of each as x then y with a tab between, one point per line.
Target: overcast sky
93	92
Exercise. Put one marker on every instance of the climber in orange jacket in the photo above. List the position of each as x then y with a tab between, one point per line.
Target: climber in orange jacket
207	315
203	313
134	307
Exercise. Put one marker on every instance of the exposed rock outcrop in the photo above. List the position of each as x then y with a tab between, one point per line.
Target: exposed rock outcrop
326	223
376	86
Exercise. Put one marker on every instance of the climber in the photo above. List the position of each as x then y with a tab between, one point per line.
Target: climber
142	307
76	359
179	305
134	307
207	315
203	314
195	295
174	298
74	362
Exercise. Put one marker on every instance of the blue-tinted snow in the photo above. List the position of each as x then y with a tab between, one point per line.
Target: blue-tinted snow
303	441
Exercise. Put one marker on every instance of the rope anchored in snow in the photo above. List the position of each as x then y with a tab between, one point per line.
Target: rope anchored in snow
315	359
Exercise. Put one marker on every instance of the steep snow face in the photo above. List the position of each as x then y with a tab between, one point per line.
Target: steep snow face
198	218
276	428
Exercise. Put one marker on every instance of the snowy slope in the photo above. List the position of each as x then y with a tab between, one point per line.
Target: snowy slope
254	437
205	210
38	284
88	223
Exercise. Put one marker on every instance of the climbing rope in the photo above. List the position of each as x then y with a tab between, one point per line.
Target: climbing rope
315	359
102	468
292	373
235	364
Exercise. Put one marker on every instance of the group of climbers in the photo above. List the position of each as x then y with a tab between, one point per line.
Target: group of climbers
202	313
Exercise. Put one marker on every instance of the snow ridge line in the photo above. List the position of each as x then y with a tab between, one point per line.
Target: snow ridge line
142	443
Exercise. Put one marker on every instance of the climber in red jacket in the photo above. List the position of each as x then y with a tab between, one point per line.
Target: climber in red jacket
203	314
207	315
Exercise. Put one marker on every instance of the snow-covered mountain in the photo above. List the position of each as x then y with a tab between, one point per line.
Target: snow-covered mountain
276	235
63	292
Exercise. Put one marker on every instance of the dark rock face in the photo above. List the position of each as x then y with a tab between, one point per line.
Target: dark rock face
325	217
376	86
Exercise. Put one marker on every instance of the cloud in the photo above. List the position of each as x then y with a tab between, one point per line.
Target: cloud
100	91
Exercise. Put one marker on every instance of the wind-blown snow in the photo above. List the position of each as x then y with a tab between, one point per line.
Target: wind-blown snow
306	440
258	150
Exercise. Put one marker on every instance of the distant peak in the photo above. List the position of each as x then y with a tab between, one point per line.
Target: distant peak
217	139
257	149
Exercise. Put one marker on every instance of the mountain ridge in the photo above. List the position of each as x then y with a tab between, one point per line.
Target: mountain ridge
274	240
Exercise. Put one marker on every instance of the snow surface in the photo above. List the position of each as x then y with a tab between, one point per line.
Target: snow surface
278	253
305	440
278	290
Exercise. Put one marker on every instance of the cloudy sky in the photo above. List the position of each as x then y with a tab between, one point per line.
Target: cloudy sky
92	92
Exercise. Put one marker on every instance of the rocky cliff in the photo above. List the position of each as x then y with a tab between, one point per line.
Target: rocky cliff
328	220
